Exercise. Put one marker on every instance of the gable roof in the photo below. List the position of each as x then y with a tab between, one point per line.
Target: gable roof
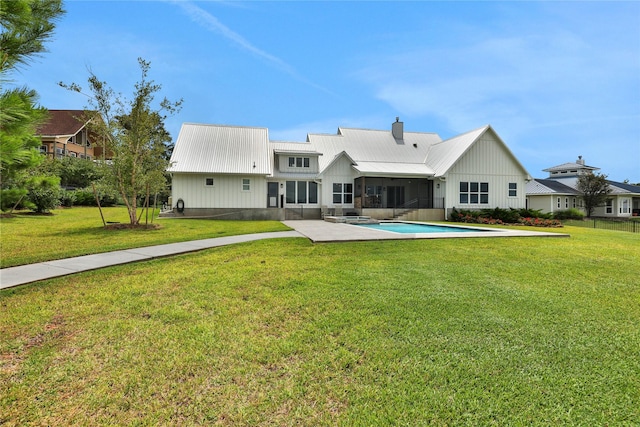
63	123
221	149
374	151
444	155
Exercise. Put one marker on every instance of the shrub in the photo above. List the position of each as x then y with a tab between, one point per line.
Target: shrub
68	198
86	197
44	193
569	214
505	216
540	222
9	198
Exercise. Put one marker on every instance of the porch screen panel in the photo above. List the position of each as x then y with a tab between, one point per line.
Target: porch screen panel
302	191
313	192
291	192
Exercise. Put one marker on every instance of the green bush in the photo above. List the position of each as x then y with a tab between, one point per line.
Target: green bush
44	193
504	216
86	197
569	214
68	198
9	198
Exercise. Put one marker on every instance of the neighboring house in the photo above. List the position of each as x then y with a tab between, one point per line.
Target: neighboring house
236	172
66	134
558	192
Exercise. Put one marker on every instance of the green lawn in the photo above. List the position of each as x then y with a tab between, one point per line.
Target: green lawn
27	238
510	331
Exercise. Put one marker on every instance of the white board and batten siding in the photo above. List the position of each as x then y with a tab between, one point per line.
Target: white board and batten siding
227	191
340	172
488	161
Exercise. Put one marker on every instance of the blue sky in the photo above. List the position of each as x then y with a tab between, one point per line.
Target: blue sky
554	79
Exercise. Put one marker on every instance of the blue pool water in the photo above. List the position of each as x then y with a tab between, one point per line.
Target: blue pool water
411	228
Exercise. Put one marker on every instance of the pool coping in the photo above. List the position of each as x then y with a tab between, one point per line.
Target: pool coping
319	231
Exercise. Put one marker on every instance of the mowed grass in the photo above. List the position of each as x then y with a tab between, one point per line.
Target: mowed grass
510	331
27	238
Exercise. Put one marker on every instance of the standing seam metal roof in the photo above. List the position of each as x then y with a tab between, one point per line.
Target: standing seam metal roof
221	149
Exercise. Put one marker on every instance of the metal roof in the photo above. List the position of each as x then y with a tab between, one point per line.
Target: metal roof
548	187
221	149
366	146
393	169
303	148
569	166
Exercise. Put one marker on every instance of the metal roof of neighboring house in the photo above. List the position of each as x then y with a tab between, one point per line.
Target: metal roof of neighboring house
222	149
63	123
374	146
548	187
569	167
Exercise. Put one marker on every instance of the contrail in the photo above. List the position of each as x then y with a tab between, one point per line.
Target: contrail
210	22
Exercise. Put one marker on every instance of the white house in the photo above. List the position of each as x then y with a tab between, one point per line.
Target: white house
558	192
236	172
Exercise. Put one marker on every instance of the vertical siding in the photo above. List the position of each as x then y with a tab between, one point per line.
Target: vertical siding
340	172
487	161
226	192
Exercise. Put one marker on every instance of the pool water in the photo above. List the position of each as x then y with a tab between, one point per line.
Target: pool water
411	228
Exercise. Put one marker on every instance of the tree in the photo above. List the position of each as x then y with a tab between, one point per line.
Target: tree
26	25
595	190
133	133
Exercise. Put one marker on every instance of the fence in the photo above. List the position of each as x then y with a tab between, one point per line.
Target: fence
632	226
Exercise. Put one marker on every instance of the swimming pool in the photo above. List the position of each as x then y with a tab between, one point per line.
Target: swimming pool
414	228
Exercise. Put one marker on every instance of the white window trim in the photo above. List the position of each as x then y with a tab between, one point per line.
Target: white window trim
242	184
213	182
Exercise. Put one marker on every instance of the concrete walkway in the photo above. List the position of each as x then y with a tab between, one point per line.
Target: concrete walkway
23	274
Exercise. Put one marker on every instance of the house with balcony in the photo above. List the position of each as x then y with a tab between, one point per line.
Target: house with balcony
559	192
66	134
237	172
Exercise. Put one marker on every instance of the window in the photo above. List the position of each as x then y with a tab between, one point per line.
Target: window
298	162
342	193
208	182
609	208
337	193
43	149
574	202
558	203
301	192
566	203
513	189
626	206
246	184
474	192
